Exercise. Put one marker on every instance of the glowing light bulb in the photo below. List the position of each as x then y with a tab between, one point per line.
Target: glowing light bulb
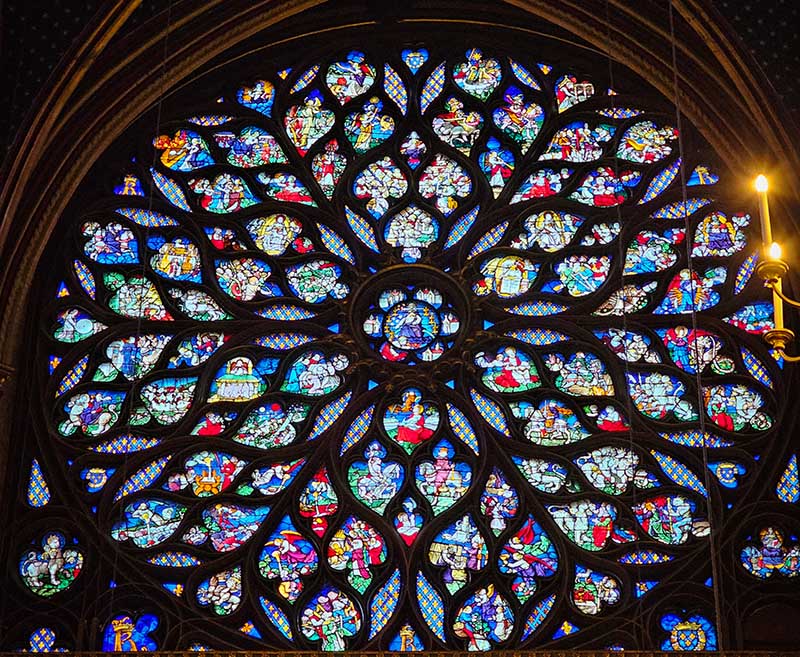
762	184
775	251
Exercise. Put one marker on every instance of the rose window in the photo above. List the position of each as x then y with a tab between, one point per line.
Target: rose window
423	350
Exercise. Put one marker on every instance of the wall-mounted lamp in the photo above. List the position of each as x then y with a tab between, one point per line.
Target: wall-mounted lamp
772	268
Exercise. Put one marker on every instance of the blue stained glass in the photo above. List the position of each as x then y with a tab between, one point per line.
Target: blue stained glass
406	640
753	318
696	439
143	477
489	239
259	96
688	634
431	606
210	119
565	629
462	428
497	164
283	341
644	586
383	604
537	308
538	615
43	640
328	414
196	646
85	278
130	633
680	209
62	291
461	227
660	183
174	559
336	225
358	429
702	175
174	588
130	186
788	489
276	616
524	75
362	229
644	558
305	79
745	273
126	444
73	377
679	473
395	89
620	112
147	218
692	291
335	244
728	472
38	493
433	87
756	368
538	337
491	412
250	629
285	312
170	189
415	59
96	478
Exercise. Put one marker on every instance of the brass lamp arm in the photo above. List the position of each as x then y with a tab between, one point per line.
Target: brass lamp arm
779	338
777	290
787	357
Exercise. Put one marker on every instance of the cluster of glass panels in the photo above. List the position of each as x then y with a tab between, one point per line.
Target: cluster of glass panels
405	351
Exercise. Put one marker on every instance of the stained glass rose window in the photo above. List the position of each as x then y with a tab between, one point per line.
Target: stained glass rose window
430	349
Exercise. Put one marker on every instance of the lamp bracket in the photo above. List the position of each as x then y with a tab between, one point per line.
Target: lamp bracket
772	270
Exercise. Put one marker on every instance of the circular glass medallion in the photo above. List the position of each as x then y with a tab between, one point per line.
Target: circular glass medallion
411	325
415	314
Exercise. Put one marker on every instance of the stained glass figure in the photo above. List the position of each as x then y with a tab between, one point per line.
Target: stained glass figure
222	591
375	481
519	120
484	620
458	127
459	548
528	556
594	591
251	147
497	164
330	619
351	77
288	557
772	556
443	481
51	569
411	421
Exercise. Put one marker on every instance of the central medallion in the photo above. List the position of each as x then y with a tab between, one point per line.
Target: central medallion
412	325
415	314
